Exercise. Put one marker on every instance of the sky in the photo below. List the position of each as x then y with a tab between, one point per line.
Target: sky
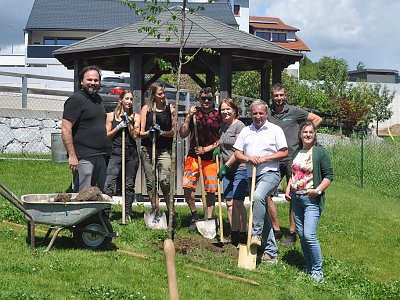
356	30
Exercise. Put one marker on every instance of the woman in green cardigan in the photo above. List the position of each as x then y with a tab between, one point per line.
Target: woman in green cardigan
311	174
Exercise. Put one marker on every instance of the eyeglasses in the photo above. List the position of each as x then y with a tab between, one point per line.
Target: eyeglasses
207	98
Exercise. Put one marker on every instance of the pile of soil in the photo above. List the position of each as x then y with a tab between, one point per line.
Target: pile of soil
89	194
394	130
187	245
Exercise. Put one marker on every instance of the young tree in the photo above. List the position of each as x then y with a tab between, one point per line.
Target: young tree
176	29
381	110
332	73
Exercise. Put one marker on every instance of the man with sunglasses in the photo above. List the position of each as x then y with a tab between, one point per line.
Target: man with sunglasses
208	125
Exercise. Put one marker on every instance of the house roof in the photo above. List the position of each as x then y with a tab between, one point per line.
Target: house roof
102	15
376	71
297	45
269	23
113	47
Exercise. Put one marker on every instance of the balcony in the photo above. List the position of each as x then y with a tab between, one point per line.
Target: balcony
41	54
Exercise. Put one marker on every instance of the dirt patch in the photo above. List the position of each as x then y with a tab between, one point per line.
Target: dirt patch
188	245
394	130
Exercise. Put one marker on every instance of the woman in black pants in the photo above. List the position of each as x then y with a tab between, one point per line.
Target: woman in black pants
123	118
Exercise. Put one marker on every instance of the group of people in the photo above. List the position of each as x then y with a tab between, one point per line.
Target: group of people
280	142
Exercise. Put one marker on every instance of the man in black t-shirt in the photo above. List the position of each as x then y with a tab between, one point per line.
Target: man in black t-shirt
84	132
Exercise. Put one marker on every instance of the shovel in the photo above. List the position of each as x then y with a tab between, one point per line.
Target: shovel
151	215
206	227
247	253
221	221
169	251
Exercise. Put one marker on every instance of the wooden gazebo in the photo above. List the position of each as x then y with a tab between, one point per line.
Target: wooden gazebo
124	49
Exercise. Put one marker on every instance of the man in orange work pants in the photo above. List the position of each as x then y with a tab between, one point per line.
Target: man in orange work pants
208	124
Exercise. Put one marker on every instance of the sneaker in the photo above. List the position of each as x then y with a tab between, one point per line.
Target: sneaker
192	227
278	234
255	241
268	258
317	276
290	239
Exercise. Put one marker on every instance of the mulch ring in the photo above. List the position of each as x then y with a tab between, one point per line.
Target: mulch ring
186	245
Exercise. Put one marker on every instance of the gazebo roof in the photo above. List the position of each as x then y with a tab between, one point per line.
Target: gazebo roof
111	50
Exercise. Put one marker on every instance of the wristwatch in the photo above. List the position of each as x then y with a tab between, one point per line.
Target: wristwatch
318	191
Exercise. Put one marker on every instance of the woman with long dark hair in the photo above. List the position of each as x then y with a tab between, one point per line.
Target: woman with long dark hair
123	118
163	129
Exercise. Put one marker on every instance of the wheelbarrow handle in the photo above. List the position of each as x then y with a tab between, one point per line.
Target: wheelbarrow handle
9	195
17	202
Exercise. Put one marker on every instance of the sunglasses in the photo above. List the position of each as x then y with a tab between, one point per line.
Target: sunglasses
207	98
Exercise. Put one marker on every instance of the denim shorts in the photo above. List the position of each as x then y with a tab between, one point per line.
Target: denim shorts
235	185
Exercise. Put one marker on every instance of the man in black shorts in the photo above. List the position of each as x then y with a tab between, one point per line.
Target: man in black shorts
289	118
84	132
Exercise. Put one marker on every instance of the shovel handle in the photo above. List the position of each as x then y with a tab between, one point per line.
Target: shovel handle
221	221
169	251
153	160
123	177
252	188
203	193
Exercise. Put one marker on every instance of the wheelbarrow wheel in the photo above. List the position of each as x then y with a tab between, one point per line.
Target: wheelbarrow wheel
91	240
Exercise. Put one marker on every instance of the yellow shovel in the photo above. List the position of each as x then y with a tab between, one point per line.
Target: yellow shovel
221	220
248	253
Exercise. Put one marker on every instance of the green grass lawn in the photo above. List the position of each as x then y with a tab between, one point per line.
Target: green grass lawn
358	231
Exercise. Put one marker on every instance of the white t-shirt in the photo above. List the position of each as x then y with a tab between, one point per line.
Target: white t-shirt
267	140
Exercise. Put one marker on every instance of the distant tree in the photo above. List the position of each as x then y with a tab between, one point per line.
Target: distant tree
246	84
332	72
383	98
306	94
360	66
308	69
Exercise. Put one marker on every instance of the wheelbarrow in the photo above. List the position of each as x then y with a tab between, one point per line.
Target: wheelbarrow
87	220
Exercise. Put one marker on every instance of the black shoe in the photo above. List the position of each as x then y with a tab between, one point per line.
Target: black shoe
234	238
290	239
192	227
278	234
243	238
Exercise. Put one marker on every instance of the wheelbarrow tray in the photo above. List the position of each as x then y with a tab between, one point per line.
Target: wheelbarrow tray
44	210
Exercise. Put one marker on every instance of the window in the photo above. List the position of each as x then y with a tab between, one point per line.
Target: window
278	37
264	35
61	41
236	10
